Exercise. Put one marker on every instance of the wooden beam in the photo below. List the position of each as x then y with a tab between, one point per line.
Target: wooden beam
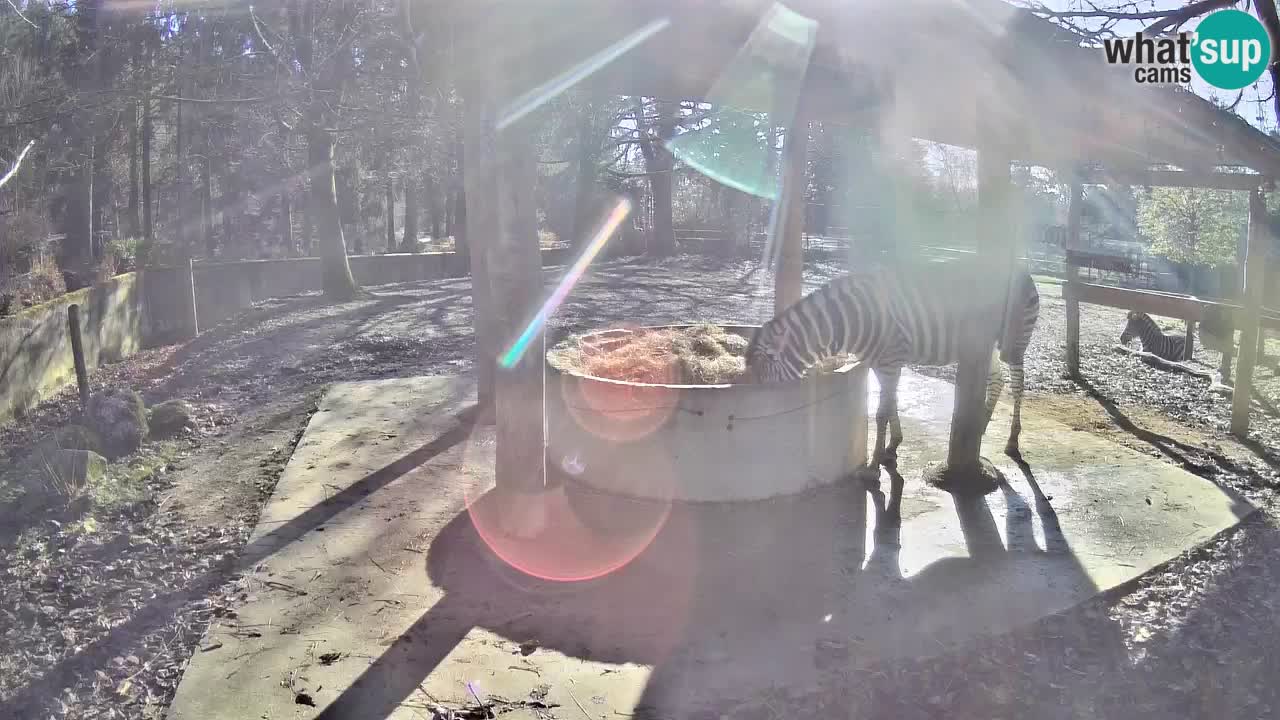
992	264
1154	302
1255	277
1179	178
1073	276
789	280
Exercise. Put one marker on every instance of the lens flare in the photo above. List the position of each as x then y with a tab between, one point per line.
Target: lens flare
734	146
580	539
538	96
615	217
617	411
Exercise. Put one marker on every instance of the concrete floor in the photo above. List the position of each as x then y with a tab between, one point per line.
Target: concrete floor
379	587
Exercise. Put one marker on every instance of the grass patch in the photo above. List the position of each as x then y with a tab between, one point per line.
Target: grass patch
128	484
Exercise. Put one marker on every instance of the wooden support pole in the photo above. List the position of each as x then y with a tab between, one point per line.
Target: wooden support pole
77	354
789	281
1073	276
504	187
986	315
479	183
1255	276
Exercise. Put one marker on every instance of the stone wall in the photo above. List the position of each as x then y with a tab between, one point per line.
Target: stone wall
153	307
35	347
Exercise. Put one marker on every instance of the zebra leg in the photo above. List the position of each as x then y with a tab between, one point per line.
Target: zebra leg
1015	429
888	379
995	384
895	426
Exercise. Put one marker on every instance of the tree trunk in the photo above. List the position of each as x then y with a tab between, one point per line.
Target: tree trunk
206	202
357	213
582	210
391	215
448	210
133	217
346	197
286	225
336	279
435	207
229	200
183	237
458	225
660	182
148	226
102	194
409	242
308	223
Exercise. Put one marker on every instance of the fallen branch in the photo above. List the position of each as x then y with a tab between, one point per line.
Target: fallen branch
1215	379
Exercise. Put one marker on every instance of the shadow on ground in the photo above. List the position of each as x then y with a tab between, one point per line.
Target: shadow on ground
738	608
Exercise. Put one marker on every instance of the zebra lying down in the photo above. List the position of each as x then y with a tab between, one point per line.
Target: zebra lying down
1154	341
892	317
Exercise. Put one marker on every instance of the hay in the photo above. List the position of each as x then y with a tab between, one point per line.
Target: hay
700	355
704	354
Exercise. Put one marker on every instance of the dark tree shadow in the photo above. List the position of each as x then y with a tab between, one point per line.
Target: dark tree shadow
156	613
1179	452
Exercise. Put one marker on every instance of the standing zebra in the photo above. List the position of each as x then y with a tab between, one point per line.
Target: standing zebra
1154	341
889	318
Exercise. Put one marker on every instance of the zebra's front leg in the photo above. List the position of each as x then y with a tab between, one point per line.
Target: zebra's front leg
1015	429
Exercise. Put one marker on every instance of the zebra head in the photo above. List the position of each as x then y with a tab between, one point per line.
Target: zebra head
767	358
1132	327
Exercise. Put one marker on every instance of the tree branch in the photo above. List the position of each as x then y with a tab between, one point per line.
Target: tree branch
24	17
16	164
209	101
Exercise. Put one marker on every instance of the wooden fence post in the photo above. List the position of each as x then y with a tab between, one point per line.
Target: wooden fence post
1255	276
77	354
1073	276
789	281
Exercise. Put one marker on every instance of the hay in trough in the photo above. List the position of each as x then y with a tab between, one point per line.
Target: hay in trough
703	354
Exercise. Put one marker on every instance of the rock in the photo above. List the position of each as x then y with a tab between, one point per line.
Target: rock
120	419
170	417
76	437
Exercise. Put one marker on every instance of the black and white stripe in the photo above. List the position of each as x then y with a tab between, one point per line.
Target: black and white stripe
1154	341
889	318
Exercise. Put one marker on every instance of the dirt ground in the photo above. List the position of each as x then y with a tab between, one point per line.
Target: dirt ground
98	621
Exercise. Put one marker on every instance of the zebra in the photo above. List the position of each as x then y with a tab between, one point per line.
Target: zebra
888	319
1154	341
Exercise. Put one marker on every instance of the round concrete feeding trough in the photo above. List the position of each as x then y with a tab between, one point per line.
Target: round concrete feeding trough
624	448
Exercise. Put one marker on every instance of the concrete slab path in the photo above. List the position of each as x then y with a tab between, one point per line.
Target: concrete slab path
378	587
